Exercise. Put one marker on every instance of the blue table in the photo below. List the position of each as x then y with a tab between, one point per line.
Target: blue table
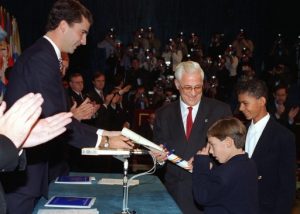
150	196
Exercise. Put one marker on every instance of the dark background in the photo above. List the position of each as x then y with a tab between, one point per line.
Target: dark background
262	21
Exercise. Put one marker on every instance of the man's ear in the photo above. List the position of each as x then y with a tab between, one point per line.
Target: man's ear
63	25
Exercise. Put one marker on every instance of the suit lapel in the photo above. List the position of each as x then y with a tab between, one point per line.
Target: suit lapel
56	69
263	140
201	120
176	129
178	126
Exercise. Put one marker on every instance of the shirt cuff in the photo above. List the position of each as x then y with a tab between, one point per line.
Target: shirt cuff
99	133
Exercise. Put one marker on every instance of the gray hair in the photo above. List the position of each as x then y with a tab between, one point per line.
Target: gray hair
189	67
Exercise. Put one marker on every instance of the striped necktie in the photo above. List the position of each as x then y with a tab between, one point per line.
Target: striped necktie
60	64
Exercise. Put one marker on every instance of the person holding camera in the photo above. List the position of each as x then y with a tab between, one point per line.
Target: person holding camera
241	42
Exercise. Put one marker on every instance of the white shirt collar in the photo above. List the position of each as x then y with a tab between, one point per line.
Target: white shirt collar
185	111
57	51
260	125
185	106
97	90
76	92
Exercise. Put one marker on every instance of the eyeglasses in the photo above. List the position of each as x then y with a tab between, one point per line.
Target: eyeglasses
189	89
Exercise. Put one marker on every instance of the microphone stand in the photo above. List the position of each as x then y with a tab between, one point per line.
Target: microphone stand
126	181
125	209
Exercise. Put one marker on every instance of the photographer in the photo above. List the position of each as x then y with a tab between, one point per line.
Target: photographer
241	42
216	46
154	42
176	54
140	100
223	80
136	75
150	61
279	53
232	62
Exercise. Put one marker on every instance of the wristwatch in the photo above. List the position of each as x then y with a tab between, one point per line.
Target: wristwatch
106	142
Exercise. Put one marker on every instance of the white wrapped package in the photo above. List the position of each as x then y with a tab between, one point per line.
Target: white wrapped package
152	146
140	140
179	161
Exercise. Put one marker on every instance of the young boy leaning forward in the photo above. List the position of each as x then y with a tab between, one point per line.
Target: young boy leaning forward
229	186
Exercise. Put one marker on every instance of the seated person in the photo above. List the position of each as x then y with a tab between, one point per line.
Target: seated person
231	186
281	109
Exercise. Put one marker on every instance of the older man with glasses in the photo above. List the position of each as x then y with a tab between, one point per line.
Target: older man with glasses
181	127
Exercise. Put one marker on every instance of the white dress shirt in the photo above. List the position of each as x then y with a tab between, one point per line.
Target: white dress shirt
185	112
254	132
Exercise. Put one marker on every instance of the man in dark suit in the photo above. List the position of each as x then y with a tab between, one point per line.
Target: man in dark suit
24	132
183	129
97	94
39	70
76	88
272	147
100	97
281	109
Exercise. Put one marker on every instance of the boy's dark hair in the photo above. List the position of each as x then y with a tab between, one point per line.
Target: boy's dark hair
229	127
256	88
71	11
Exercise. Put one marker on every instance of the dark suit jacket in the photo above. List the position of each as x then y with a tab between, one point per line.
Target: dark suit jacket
8	154
275	158
9	160
37	70
75	97
94	96
169	130
284	117
102	119
228	188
